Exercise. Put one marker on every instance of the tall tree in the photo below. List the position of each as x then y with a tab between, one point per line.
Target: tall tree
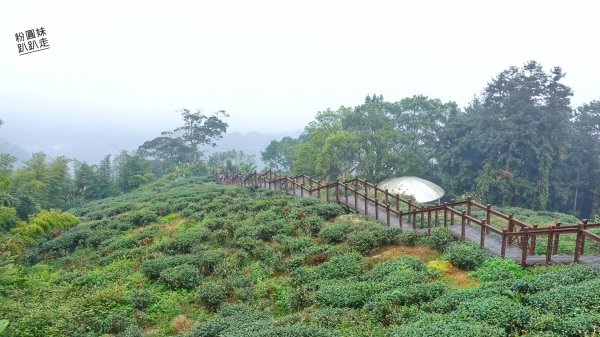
517	129
279	154
200	129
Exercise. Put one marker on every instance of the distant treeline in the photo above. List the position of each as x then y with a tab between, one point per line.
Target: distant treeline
62	183
519	142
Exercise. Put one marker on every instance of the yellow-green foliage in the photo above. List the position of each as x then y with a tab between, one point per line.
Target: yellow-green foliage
43	223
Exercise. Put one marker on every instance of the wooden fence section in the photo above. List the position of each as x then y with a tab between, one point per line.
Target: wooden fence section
514	239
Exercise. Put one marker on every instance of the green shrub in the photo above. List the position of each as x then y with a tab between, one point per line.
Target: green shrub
152	268
116	322
141	298
349	294
268	230
327	211
440	239
565	299
297	245
335	233
465	255
182	276
8	218
418	293
132	331
185	242
578	323
497	269
311	225
142	217
363	241
436	325
212	295
497	310
342	266
409	237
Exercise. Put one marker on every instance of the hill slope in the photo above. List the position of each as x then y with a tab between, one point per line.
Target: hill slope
183	256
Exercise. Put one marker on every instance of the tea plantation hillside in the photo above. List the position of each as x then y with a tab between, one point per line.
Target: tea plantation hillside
186	257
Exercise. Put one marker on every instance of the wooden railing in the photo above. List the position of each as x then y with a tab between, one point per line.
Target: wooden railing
367	198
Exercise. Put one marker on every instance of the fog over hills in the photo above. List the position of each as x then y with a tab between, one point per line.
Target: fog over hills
91	144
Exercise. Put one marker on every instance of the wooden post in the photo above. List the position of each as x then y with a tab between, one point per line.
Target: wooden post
387	194
462	225
524	247
428	220
346	193
310	186
387	209
482	239
437	206
318	190
397	203
376	209
376	188
451	218
585	221
533	242
286	184
469	208
303	179
366	205
302	189
366	189
337	192
356	199
549	248
487	217
445	215
578	242
556	236
503	247
414	223
510	228
400	219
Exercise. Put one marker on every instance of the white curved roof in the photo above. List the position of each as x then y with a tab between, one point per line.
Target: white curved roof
423	190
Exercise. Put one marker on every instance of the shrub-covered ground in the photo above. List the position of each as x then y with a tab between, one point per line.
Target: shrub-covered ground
186	257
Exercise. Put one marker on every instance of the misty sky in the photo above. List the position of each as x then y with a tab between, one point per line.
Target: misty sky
117	71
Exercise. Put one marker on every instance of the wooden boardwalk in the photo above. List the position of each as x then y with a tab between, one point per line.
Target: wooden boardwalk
505	243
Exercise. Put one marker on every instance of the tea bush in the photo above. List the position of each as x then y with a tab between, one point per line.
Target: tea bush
465	255
182	276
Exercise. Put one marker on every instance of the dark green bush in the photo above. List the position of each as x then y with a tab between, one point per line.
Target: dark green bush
327	211
418	293
350	294
212	295
342	266
182	276
440	239
565	299
336	232
497	269
311	225
141	298
297	245
185	242
465	255
153	268
409	237
435	325
142	217
497	310
363	241
116	322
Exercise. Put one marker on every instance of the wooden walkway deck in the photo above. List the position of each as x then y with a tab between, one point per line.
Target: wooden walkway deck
492	242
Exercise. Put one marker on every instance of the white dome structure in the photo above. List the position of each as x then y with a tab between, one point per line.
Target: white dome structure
423	190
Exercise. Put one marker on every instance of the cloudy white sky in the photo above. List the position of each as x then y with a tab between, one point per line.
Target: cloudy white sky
117	71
